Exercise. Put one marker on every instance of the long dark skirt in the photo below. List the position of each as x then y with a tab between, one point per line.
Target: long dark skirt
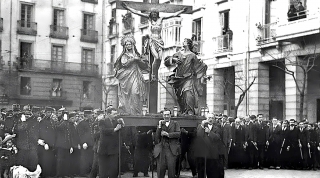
47	161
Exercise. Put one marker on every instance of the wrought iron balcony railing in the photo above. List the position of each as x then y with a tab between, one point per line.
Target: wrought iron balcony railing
58	94
223	43
268	33
1	24
39	65
27	28
91	1
90	36
59	32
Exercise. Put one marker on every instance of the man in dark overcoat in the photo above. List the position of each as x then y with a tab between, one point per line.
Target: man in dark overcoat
27	135
85	132
47	139
108	147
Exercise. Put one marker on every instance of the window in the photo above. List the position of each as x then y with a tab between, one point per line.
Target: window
58	18
171	32
56	88
114	14
25	86
197	29
113	53
26	57
26	15
57	53
87	56
86	89
224	21
88	22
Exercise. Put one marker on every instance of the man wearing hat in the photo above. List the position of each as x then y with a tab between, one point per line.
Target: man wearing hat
168	147
85	131
293	145
27	131
12	118
304	145
47	138
238	147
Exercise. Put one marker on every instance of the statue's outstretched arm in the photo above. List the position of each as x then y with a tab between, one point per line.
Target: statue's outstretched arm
175	14
134	11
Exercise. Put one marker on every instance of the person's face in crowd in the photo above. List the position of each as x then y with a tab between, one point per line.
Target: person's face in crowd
113	114
285	124
301	125
210	120
59	113
48	113
310	127
274	122
237	123
154	16
54	117
260	118
76	117
1	126
292	123
166	115
9	143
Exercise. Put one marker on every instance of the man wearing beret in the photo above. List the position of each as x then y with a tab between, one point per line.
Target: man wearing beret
47	139
27	131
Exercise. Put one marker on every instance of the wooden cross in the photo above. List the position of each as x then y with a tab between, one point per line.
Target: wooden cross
146	8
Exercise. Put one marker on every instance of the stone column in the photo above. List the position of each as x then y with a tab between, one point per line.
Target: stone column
259	91
292	94
217	91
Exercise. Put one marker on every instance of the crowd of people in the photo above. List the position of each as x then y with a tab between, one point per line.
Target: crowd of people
78	143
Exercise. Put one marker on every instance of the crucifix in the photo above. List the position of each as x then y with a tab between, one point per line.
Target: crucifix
154	44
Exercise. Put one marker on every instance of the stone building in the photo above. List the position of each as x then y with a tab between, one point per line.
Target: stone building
242	42
51	53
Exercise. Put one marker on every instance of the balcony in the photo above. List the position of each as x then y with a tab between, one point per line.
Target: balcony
1	24
48	66
89	36
27	28
91	1
223	44
110	69
113	30
307	24
58	94
59	32
128	25
268	33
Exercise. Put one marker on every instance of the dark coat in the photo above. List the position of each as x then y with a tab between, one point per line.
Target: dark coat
65	135
304	137
174	134
27	134
208	145
238	136
47	131
108	143
262	133
226	134
292	137
250	132
96	135
85	132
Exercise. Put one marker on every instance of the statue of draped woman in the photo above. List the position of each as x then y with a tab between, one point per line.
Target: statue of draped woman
130	67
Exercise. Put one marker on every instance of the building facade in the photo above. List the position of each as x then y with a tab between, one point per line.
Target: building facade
250	47
51	53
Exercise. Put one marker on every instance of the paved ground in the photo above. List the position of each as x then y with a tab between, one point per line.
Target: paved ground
266	173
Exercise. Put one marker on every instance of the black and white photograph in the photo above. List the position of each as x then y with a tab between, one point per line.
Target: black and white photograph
160	88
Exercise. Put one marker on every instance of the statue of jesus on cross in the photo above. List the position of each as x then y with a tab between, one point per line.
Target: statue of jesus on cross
154	44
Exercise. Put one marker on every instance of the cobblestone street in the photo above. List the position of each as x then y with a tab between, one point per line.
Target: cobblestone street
267	173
